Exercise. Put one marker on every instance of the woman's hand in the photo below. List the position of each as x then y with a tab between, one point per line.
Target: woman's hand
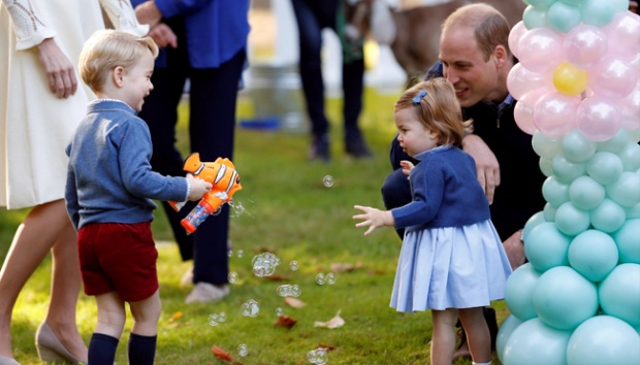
163	35
59	69
148	13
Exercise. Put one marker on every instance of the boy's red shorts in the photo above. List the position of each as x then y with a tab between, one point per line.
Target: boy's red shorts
118	257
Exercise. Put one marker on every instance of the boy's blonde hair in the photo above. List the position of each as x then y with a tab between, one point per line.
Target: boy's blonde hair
107	49
439	110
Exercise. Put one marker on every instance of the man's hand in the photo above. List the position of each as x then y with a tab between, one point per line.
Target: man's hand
148	13
163	36
373	218
486	163
59	69
514	247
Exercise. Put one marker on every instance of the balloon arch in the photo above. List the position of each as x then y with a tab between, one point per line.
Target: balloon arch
577	300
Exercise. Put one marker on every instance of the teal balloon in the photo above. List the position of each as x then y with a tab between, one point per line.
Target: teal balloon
605	167
572	220
616	143
565	170
576	147
545	166
593	254
546	247
519	290
598	13
563	299
586	193
555	192
544	145
604	340
549	212
619	293
634	135
632	212
608	217
577	3
540	4
627	238
630	157
535	343
506	328
625	191
532	222
534	18
563	17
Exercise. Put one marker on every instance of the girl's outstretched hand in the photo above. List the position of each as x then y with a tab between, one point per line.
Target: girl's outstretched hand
373	218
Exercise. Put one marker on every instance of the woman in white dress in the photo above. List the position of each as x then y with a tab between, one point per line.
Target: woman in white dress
42	102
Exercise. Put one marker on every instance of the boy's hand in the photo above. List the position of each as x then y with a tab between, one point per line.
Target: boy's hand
373	218
198	187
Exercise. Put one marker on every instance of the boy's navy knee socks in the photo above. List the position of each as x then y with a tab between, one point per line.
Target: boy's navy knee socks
142	349
102	349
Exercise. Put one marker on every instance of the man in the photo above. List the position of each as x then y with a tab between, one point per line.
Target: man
475	58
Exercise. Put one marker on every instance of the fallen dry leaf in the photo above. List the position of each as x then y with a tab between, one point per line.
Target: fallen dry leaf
345	266
276	278
334	322
223	355
285	321
326	347
176	316
294	302
262	249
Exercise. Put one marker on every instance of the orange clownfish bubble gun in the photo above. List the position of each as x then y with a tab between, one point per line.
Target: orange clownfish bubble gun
222	175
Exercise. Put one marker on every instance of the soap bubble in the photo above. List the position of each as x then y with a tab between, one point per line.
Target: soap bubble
320	279
243	350
233	277
250	308
293	265
330	278
327	181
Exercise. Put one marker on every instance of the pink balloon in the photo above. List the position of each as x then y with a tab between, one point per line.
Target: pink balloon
543	49
555	113
523	111
514	37
521	81
624	35
630	109
585	45
598	118
613	77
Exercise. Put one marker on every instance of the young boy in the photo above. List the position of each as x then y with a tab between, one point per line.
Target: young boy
109	192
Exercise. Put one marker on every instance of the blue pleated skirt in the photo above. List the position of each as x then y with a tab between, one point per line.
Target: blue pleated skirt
451	267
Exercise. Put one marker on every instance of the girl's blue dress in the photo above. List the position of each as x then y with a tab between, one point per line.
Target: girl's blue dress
453	266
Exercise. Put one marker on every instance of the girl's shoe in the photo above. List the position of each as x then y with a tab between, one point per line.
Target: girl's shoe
8	361
51	350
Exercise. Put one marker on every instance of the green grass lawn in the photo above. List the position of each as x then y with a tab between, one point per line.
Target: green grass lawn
285	207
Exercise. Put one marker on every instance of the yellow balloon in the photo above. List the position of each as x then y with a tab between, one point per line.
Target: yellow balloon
569	79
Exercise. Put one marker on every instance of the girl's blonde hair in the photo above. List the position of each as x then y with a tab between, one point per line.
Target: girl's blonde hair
107	49
438	109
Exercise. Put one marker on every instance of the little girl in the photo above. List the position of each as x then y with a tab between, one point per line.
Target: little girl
452	260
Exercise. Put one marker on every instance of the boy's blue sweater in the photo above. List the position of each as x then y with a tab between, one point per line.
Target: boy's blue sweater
109	178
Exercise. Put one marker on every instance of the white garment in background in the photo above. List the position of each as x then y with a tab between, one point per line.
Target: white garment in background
35	126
